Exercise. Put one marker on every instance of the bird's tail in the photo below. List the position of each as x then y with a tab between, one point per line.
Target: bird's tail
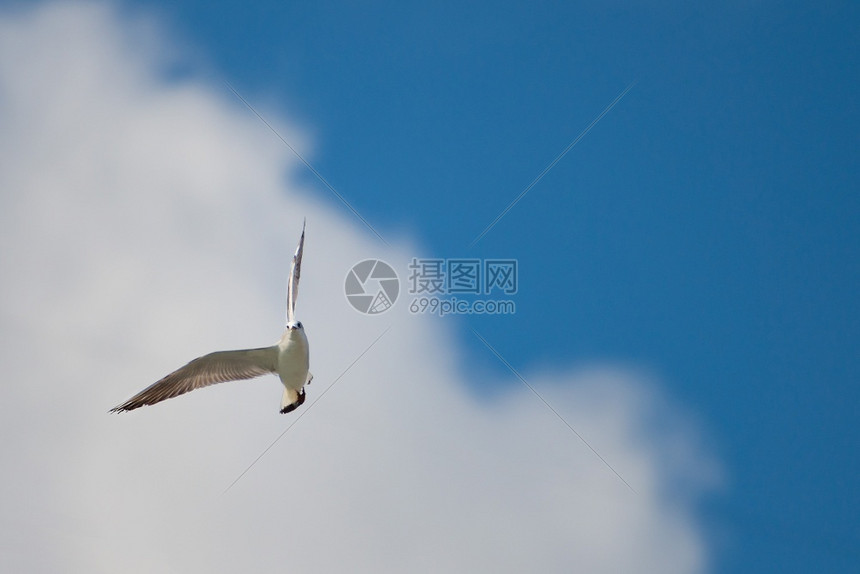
291	400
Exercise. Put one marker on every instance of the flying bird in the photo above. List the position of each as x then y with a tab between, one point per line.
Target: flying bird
288	359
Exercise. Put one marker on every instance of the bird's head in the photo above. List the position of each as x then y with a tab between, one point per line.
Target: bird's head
294	325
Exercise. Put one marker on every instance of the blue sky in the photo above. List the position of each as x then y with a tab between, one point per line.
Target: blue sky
704	230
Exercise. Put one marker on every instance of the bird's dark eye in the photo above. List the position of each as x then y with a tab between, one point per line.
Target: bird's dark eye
299	324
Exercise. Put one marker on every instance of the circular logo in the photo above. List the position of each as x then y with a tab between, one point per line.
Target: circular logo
371	286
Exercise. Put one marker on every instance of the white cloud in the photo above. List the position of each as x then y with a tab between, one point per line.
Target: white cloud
143	223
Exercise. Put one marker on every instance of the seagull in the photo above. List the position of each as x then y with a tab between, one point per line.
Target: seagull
288	359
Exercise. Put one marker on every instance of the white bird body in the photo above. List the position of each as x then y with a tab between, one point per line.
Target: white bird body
289	359
293	359
293	365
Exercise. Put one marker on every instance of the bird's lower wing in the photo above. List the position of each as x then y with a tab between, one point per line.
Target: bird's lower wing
207	370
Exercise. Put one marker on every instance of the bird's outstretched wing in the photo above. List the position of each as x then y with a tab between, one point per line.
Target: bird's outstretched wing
210	369
293	281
